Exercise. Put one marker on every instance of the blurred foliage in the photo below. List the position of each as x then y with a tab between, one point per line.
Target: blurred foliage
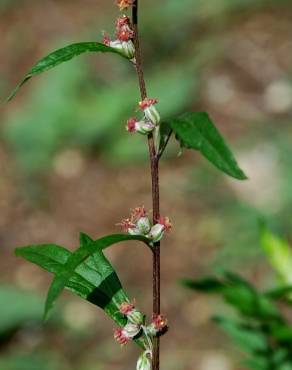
37	361
279	254
258	328
20	308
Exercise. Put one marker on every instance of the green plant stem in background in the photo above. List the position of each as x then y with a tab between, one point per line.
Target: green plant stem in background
154	163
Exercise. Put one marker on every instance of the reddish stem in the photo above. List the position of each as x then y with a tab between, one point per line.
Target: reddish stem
154	163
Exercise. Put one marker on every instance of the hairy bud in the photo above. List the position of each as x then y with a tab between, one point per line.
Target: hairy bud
144	225
123	335
131	330
158	325
156	233
143	363
142	127
126	48
133	315
150	112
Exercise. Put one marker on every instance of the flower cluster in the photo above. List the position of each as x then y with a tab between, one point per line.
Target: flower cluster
135	326
139	224
157	326
150	119
124	37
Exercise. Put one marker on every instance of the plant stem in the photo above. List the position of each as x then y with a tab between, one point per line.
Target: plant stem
154	163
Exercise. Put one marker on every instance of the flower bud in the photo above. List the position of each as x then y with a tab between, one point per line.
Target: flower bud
156	233
144	225
123	335
143	362
128	49
131	330
133	315
150	112
158	324
134	231
136	317
145	127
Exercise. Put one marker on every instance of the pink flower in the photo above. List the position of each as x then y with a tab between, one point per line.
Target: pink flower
159	322
131	125
133	315
126	308
127	224
137	213
125	34
138	223
122	21
166	223
124	4
129	331
120	337
146	103
106	40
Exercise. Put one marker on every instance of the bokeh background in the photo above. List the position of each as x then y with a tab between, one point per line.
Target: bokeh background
68	165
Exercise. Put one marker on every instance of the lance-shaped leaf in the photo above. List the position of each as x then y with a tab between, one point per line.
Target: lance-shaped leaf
63	55
279	254
239	293
250	339
197	131
86	272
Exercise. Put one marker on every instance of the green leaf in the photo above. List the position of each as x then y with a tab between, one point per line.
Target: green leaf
239	293
197	131
247	338
86	272
279	254
281	293
206	285
87	249
63	55
17	308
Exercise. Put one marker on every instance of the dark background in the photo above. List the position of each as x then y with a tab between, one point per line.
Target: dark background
68	165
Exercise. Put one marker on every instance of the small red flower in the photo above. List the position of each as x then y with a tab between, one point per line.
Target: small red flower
125	34
159	322
126	224
146	103
126	308
120	337
166	223
137	213
106	40
131	124
122	21
124	4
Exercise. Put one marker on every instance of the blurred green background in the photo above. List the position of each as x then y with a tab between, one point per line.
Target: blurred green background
68	165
